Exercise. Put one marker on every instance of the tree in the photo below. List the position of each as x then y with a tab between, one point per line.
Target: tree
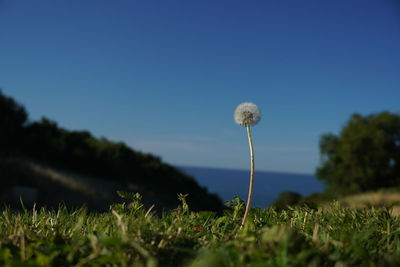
365	155
12	119
287	198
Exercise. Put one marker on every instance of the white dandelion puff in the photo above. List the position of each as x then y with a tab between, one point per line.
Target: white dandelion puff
247	114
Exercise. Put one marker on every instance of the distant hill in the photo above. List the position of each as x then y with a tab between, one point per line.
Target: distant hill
45	162
388	197
380	198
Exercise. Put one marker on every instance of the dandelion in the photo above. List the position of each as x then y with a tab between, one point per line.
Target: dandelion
247	114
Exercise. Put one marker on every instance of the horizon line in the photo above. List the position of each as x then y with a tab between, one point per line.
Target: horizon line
245	170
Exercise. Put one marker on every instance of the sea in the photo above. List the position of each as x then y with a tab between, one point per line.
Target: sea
267	185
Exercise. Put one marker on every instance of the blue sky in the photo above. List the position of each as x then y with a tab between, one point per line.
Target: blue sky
166	76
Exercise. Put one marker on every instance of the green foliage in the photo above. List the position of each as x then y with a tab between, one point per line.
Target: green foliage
365	155
287	198
131	235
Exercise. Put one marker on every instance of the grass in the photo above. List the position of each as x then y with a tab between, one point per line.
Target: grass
132	235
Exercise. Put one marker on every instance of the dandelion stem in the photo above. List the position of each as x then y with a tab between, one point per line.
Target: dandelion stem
251	176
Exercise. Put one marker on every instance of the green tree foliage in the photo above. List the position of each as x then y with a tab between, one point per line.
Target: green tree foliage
287	198
12	118
364	156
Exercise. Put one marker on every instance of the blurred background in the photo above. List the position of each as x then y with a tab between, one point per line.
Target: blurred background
141	94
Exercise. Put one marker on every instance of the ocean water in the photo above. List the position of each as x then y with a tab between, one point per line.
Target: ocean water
267	185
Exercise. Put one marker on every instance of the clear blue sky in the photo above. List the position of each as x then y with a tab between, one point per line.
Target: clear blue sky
166	76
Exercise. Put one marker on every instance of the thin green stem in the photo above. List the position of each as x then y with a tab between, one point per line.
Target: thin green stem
251	176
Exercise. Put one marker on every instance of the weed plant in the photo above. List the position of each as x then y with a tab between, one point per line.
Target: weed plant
132	235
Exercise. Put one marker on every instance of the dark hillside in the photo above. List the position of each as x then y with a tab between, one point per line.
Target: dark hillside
60	150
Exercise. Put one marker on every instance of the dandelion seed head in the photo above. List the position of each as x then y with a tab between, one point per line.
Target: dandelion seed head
247	114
